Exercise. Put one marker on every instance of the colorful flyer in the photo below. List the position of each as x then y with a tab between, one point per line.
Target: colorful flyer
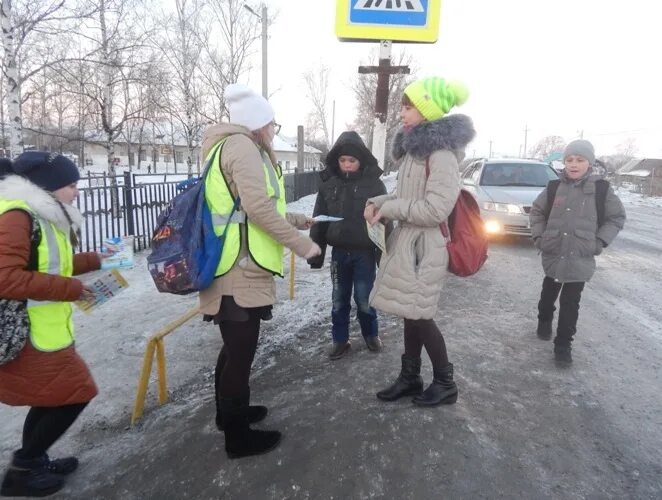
117	253
106	285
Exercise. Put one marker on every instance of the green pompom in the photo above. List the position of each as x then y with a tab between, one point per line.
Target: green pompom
459	91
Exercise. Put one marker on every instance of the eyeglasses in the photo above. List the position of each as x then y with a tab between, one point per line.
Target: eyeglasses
276	127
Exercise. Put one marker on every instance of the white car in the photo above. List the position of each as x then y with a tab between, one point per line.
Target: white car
505	190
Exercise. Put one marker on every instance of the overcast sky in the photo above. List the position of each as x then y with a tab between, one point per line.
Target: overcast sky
558	66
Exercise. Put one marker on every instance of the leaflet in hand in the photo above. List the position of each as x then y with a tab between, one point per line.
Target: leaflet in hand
327	218
105	286
377	234
118	253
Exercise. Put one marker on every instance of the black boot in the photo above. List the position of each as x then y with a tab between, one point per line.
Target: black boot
240	439
544	330
408	383
442	390
62	466
252	414
563	355
30	477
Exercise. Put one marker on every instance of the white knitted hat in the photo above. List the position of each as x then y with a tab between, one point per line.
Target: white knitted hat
247	108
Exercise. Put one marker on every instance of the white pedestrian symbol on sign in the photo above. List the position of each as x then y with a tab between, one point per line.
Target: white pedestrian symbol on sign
390	5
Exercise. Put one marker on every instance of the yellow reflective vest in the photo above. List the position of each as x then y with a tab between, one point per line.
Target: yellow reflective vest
262	248
51	323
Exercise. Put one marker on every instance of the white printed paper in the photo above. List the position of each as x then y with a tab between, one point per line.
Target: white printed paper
377	234
327	218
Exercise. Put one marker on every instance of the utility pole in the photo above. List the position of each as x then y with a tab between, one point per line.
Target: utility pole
265	60
333	123
490	154
384	71
526	135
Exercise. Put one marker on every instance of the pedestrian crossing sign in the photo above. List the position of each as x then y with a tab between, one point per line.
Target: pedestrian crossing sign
395	20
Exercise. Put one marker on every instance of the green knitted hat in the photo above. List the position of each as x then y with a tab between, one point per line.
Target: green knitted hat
434	97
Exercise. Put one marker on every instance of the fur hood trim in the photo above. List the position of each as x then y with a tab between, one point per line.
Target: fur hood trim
452	132
44	204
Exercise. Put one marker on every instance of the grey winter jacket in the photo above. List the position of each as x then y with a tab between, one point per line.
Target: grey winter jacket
571	238
412	270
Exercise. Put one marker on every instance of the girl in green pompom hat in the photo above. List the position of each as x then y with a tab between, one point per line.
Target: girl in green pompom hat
415	265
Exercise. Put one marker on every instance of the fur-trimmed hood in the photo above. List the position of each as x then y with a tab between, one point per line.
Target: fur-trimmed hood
451	133
15	187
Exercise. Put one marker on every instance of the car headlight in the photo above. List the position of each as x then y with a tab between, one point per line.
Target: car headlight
492	227
502	207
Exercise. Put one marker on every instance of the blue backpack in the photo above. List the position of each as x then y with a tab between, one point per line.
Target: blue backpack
185	249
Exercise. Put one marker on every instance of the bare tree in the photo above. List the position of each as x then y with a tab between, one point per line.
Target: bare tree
121	45
13	94
628	148
546	146
317	83
365	90
231	34
182	48
30	30
3	136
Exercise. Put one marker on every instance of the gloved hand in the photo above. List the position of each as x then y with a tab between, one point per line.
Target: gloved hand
599	246
537	242
316	262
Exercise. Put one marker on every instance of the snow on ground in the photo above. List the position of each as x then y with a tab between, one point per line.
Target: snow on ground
112	339
638	199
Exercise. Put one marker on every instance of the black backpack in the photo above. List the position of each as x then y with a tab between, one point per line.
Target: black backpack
14	321
601	188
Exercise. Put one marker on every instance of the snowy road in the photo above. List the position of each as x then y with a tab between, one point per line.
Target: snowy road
521	428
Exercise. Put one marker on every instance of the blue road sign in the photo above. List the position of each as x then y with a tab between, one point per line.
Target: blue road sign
395	20
390	12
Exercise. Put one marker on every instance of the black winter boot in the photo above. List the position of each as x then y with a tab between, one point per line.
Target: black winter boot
442	390
408	383
62	466
30	477
240	439
544	330
252	414
563	355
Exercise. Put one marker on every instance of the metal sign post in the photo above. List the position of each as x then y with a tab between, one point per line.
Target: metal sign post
386	21
384	71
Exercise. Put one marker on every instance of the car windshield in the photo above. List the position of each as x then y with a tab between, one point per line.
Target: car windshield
517	174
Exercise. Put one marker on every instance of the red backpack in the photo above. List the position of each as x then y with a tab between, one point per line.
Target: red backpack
467	247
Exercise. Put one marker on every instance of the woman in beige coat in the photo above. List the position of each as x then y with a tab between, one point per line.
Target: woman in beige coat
241	298
412	271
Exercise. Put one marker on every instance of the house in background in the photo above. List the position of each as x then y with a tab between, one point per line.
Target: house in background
644	174
285	149
172	158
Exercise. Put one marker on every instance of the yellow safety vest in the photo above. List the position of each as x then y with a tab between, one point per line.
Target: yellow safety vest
262	248
51	323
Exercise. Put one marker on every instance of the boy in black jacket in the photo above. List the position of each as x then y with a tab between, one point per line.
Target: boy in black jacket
350	178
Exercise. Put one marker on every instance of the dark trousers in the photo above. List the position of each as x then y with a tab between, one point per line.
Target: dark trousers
421	333
571	294
45	425
235	360
352	270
